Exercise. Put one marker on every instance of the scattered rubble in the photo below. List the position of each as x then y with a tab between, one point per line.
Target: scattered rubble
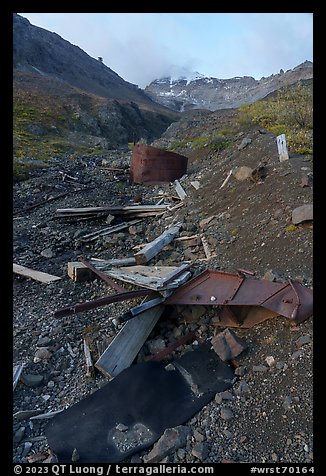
65	346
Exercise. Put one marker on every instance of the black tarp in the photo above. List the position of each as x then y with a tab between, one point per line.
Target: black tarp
144	400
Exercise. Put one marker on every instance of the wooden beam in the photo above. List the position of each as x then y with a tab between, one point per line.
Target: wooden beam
17	370
155	246
114	209
151	277
227	179
90	371
33	274
282	147
107	231
103	264
207	250
179	189
163	354
104	276
122	351
78	272
135	311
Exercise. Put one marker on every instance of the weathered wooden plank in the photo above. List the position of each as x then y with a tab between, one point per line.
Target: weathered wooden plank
282	147
104	276
78	272
151	277
135	311
122	351
155	246
90	371
46	416
16	373
24	414
207	250
163	354
103	264
227	179
173	275
179	189
133	278
107	231
33	274
156	272
114	209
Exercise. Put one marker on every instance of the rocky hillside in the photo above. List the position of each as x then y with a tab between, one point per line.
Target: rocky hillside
267	414
66	101
213	93
43	52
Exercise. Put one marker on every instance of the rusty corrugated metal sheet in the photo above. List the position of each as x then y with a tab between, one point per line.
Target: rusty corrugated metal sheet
152	165
291	299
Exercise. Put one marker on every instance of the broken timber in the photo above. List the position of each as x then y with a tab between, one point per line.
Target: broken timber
282	148
90	371
78	272
127	343
180	191
207	250
103	264
135	311
227	179
155	246
152	277
36	275
132	210
107	231
104	276
17	370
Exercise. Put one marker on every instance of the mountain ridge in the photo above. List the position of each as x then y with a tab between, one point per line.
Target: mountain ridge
38	50
66	100
213	93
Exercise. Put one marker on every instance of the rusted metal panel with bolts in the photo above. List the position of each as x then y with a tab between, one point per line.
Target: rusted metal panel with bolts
152	165
291	299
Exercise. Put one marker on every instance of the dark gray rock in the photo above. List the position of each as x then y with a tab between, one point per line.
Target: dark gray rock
171	440
200	451
226	413
32	380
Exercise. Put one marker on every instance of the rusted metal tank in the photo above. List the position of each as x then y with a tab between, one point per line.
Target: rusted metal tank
152	165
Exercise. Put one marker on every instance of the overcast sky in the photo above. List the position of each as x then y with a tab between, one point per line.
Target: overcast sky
141	47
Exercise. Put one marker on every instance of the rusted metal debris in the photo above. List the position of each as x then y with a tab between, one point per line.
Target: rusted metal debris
103	301
241	296
165	353
104	276
152	165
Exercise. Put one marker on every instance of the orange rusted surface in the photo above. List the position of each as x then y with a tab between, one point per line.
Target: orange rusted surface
152	165
245	301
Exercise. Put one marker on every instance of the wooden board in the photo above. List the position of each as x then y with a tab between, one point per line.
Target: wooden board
180	191
127	343
151	277
155	246
37	275
282	147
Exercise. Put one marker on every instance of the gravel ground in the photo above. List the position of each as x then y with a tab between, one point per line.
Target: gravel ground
266	416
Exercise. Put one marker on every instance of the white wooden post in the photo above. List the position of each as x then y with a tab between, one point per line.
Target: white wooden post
282	148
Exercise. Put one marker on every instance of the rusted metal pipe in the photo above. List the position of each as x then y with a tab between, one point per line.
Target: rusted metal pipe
86	306
104	276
